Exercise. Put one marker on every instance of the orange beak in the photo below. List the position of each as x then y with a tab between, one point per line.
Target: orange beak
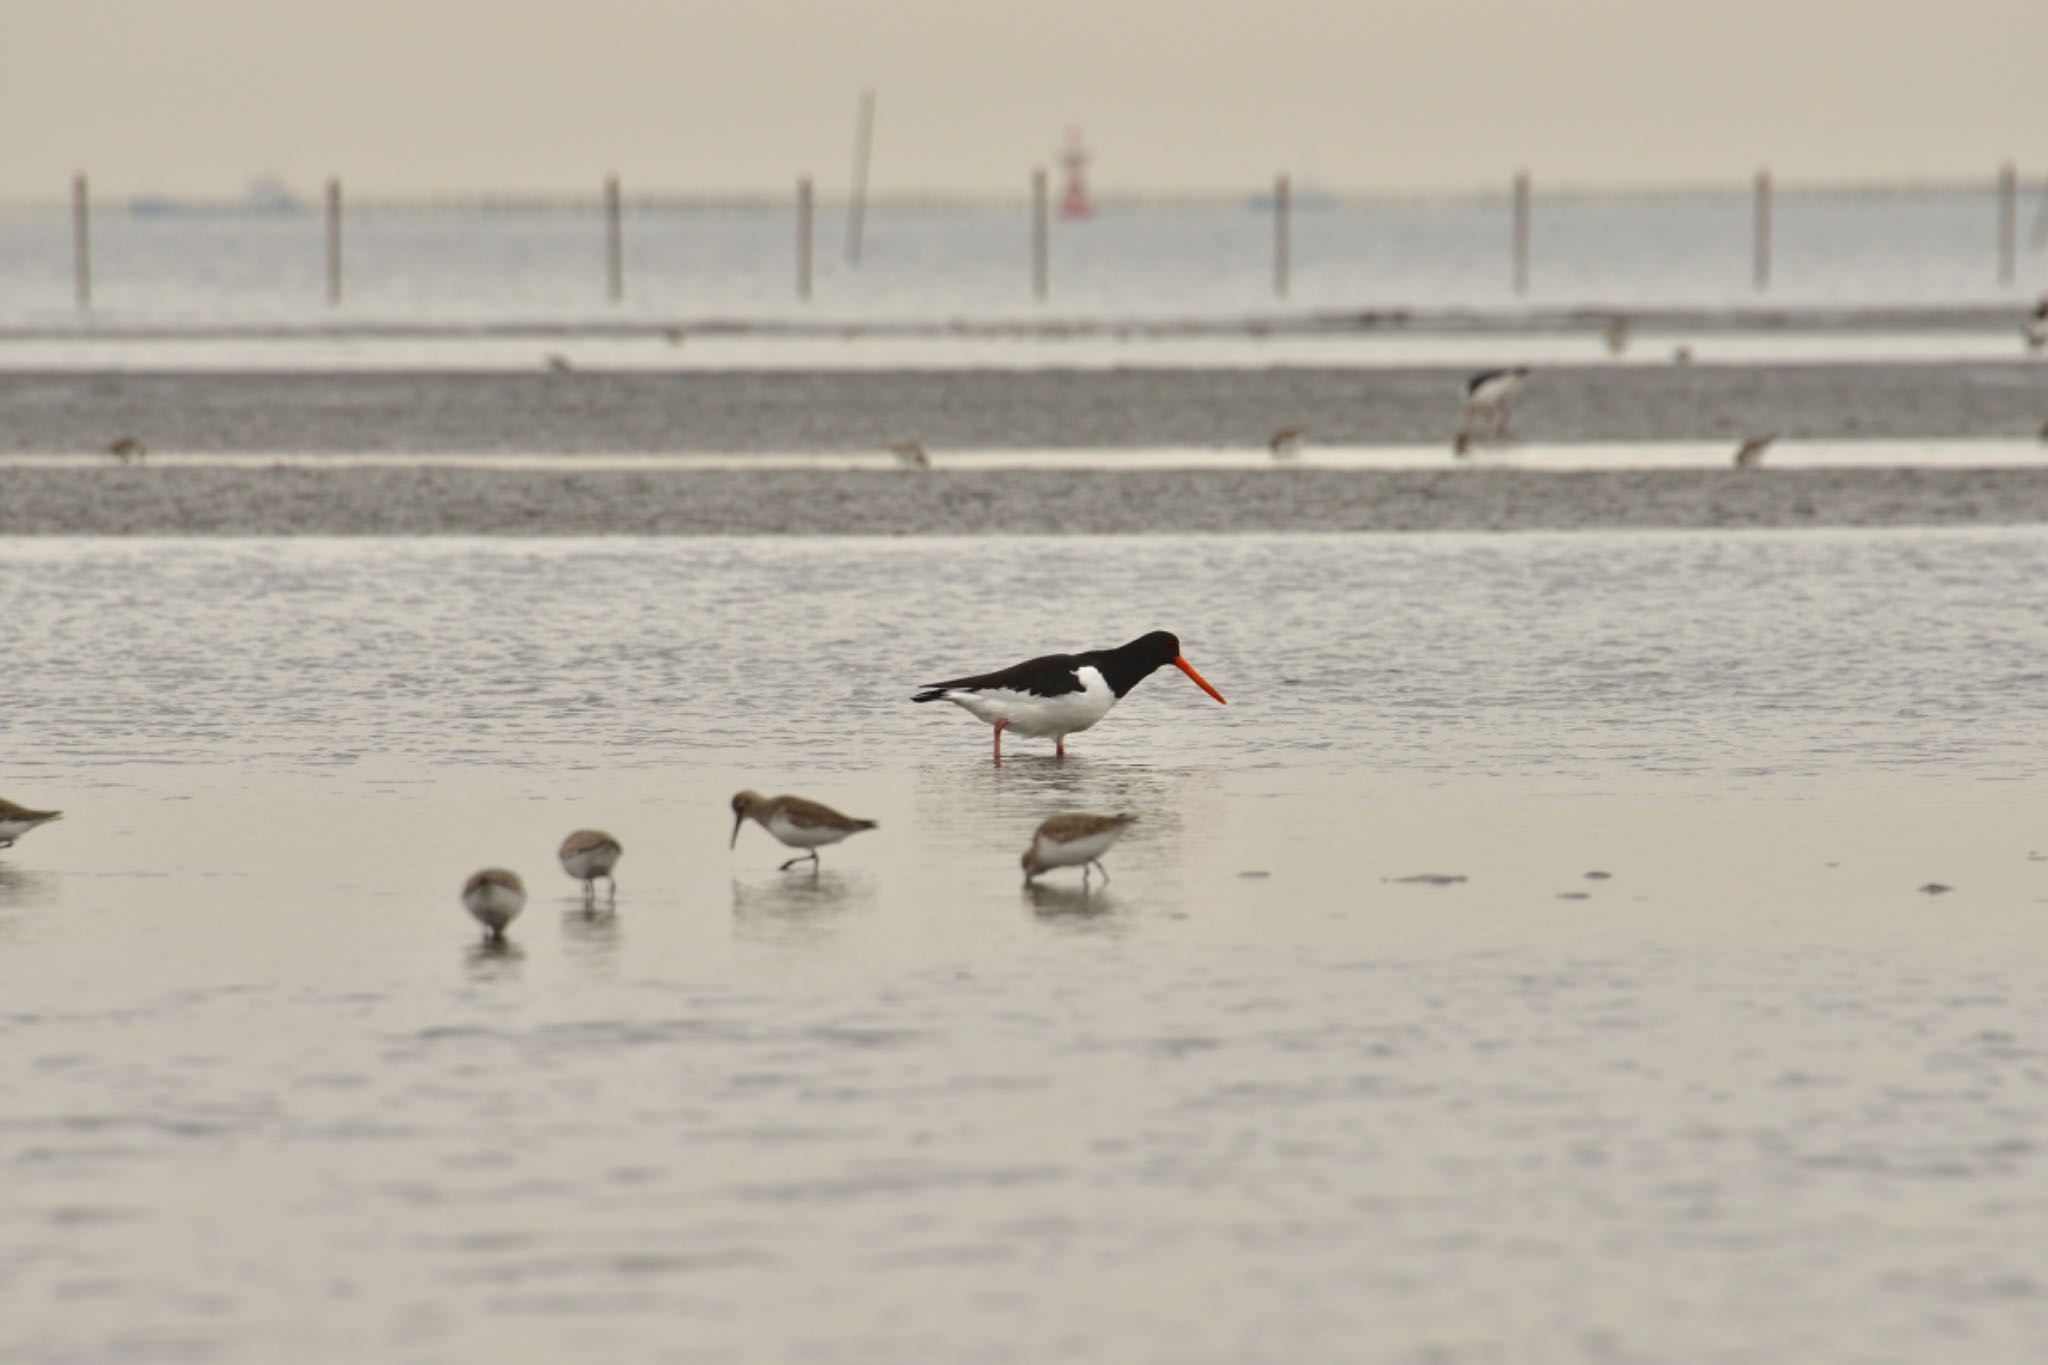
1184	666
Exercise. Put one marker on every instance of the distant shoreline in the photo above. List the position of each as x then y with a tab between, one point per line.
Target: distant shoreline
823	410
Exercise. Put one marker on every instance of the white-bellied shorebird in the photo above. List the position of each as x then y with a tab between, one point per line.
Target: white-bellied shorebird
1616	336
910	455
495	896
1751	451
128	450
2035	330
1491	393
1073	840
589	854
1062	694
794	821
16	821
1287	441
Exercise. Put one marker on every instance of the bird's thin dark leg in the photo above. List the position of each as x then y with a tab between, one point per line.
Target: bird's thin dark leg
1105	872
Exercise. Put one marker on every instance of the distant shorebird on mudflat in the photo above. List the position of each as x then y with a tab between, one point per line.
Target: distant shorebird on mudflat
1287	441
128	449
1491	394
1751	451
910	455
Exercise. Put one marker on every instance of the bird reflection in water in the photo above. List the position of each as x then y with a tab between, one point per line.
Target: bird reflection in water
1078	905
492	958
798	902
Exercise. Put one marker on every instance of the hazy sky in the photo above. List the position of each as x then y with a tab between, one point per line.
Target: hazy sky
462	96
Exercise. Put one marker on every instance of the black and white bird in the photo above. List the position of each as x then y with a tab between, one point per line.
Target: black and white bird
1491	393
2035	330
1062	694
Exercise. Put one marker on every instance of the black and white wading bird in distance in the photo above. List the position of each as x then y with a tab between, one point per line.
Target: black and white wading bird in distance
795	822
1062	694
1490	394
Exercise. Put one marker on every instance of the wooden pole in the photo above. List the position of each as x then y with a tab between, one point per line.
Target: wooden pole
1039	235
1282	213
2008	220
1762	248
1521	232
803	237
614	242
863	146
333	240
81	242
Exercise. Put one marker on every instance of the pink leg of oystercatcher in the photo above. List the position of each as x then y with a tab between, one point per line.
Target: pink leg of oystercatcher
1059	746
999	737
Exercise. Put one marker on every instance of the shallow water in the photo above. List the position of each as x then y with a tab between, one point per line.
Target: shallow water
1750	1096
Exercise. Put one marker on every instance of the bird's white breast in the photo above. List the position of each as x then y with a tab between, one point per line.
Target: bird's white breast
1075	852
787	831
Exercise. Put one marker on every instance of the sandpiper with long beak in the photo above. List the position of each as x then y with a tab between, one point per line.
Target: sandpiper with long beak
795	822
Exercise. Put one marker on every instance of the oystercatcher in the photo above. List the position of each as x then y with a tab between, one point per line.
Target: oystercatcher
1062	694
1492	392
794	821
1073	840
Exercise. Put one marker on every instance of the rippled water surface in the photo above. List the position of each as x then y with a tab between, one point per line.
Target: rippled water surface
1687	1068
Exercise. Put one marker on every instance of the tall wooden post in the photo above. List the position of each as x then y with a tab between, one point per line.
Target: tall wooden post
1762	249
857	207
1040	232
803	237
614	242
333	240
2008	220
1282	214
1521	247
81	242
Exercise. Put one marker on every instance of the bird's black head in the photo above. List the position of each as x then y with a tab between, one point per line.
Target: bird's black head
1155	650
1128	665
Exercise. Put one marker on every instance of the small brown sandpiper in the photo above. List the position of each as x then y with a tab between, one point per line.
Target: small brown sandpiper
16	821
1751	451
495	896
1073	840
589	854
795	822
